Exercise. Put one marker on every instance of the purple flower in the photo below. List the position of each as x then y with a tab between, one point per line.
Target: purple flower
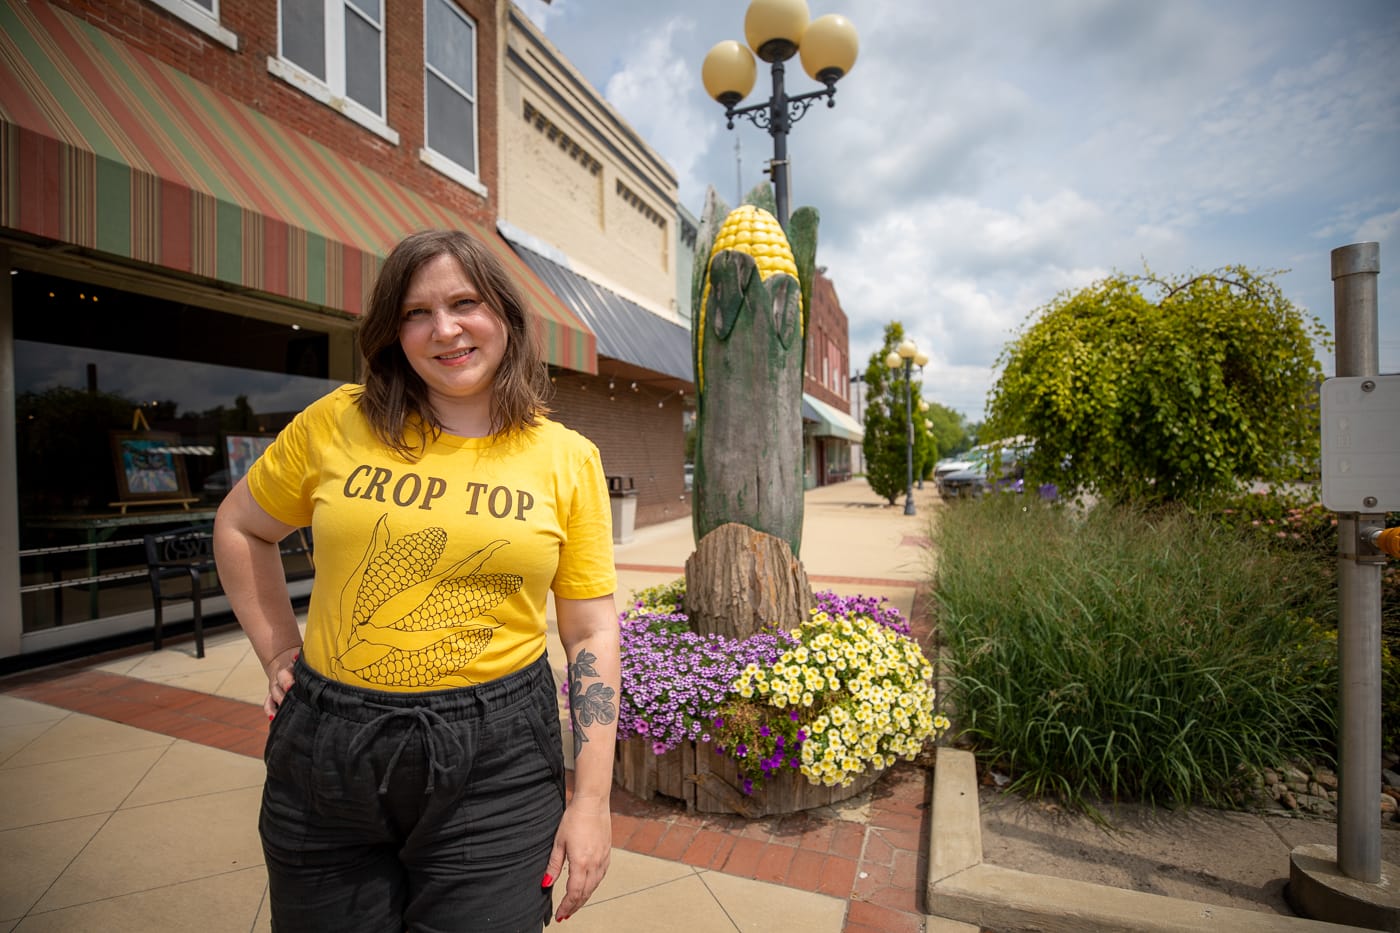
748	786
741	750
763	731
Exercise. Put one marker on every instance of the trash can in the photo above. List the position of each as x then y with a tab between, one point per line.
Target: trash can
622	490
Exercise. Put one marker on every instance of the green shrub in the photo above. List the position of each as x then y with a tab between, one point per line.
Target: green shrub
1154	656
1295	520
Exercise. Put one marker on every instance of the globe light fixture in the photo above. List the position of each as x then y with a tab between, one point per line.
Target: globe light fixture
776	30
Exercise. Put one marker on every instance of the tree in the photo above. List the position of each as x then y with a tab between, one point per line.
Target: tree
950	431
886	426
1137	387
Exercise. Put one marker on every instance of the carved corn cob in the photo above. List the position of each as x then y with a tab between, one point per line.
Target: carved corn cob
749	325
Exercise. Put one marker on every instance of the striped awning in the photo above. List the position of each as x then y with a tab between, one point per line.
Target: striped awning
106	148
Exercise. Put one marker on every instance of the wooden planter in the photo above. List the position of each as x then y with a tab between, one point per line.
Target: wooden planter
710	783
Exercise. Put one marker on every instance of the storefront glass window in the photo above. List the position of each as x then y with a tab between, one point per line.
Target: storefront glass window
134	414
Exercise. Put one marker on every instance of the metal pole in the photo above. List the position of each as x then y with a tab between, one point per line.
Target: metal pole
909	446
778	128
1354	272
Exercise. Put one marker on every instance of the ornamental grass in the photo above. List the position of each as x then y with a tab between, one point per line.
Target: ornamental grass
1124	654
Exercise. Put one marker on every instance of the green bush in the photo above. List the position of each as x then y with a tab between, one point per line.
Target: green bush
1295	520
1152	656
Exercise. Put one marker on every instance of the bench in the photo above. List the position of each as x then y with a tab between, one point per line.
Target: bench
187	553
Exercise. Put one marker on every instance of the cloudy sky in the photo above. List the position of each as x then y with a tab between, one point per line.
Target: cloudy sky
984	157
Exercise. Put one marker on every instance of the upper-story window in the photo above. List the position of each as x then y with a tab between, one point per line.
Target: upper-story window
334	51
449	92
202	15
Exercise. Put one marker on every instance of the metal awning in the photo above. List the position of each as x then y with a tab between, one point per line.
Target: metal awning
831	422
104	147
626	331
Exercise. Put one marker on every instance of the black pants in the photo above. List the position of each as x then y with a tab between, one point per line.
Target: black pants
428	812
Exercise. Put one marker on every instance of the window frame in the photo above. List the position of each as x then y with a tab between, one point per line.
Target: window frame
206	21
468	178
332	90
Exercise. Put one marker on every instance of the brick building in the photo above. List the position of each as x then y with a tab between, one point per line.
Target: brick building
195	197
828	430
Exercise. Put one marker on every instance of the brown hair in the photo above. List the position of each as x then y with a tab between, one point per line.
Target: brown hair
395	400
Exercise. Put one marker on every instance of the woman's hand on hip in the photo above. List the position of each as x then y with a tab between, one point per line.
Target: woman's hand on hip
279	679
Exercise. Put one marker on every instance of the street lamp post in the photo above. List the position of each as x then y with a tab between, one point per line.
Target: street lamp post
909	355
776	30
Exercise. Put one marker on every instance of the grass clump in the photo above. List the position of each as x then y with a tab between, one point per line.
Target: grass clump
1125	654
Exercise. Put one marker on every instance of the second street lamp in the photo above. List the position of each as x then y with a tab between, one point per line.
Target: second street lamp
909	355
776	30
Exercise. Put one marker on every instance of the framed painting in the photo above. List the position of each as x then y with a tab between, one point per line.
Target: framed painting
148	466
242	450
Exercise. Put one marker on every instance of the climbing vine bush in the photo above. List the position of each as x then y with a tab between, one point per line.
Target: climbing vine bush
1142	388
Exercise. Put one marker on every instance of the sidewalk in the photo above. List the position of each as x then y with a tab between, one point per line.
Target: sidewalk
129	785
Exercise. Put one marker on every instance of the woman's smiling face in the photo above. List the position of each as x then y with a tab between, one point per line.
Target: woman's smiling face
453	341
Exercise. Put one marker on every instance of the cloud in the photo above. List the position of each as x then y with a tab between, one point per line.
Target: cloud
982	158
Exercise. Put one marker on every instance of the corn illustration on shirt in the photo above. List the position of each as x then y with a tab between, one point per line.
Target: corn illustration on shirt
435	573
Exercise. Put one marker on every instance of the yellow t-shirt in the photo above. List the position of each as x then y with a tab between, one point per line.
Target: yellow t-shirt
434	574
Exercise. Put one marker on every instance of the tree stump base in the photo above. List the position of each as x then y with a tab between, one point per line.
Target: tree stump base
739	581
708	782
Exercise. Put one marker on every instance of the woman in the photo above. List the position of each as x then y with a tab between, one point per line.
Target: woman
415	778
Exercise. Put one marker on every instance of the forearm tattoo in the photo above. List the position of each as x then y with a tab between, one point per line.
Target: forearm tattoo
587	706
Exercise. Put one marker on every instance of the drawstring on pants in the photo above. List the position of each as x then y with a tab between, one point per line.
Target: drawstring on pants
428	720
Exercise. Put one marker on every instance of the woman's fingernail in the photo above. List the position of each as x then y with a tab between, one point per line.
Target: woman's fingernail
548	880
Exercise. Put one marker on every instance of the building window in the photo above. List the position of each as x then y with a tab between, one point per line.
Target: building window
202	15
87	359
334	51
449	92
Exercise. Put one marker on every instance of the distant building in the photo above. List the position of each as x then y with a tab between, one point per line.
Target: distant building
828	429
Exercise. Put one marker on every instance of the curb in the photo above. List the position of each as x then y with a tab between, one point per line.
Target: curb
964	889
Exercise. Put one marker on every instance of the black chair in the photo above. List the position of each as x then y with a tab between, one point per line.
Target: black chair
186	553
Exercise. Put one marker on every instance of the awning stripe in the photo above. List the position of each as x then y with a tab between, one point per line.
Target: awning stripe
831	421
104	147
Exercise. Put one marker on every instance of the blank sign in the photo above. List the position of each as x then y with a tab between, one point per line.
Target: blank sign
1361	443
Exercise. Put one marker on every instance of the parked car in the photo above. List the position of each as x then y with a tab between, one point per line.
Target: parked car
977	476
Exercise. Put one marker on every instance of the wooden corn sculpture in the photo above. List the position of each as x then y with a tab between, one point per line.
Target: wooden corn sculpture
750	321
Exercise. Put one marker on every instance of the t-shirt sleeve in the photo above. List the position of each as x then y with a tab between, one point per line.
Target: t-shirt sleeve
586	568
282	480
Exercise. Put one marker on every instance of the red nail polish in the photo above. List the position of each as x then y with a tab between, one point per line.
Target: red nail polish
548	880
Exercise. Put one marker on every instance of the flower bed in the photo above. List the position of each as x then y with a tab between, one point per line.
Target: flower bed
786	719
